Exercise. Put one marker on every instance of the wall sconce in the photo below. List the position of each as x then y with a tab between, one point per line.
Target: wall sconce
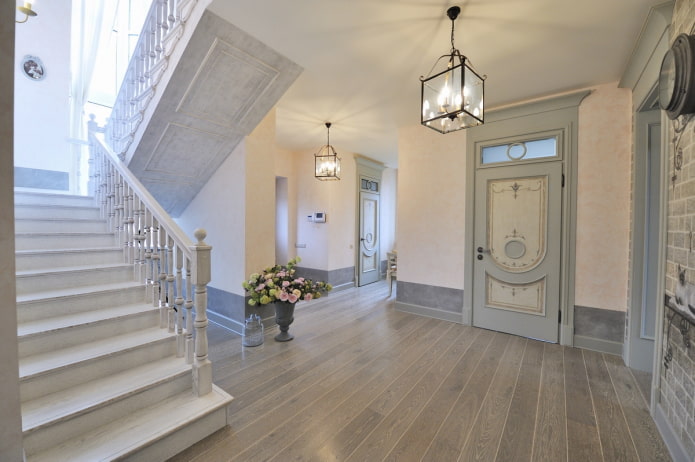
26	9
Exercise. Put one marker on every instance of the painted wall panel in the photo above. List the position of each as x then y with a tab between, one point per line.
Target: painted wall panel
603	198
42	106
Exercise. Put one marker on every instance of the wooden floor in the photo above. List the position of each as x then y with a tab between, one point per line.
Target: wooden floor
364	382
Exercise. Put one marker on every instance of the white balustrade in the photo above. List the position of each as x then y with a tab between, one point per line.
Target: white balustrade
154	244
161	32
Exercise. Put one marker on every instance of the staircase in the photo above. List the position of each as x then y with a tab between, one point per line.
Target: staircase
99	379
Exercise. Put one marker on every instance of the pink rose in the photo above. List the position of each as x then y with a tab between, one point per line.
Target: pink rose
308	297
284	296
285	283
293	298
260	287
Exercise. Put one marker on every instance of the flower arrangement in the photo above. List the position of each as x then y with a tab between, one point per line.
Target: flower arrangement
278	283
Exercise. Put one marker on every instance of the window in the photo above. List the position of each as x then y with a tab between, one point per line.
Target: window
520	150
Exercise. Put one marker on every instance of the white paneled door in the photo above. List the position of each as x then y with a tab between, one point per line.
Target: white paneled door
518	214
368	270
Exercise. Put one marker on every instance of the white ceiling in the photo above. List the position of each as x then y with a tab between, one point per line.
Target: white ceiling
362	59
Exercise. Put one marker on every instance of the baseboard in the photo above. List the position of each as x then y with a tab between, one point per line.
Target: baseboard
224	321
347	285
429	312
597	344
671	439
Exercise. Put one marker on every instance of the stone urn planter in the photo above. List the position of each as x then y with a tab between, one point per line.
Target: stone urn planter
284	316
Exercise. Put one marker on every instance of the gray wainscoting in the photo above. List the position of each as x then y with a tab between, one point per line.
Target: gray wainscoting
41	179
342	278
230	310
433	301
598	329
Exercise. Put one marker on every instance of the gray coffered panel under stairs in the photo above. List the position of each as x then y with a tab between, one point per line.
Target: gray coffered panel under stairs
224	84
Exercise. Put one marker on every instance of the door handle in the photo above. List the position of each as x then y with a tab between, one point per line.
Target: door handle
480	252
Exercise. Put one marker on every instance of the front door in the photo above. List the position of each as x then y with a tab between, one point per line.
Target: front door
516	281
368	270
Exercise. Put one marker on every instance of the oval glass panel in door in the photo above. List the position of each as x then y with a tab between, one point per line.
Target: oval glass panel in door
517	230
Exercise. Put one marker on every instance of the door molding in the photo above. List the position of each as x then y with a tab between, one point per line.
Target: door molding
559	113
372	170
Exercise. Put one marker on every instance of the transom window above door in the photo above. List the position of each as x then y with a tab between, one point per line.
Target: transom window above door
521	151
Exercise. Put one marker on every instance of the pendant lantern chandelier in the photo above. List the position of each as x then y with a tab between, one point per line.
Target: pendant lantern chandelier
452	99
326	160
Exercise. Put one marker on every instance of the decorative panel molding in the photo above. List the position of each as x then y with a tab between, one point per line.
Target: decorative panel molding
525	298
210	97
224	84
517	228
168	159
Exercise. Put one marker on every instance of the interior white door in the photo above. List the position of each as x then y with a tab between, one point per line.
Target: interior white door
518	247
368	270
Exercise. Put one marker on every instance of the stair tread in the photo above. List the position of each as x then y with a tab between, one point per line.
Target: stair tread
124	436
61	269
79	319
43	362
59	251
65	403
59	293
70	220
51	206
64	233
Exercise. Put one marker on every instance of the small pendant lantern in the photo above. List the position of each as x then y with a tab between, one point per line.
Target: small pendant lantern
452	99
326	160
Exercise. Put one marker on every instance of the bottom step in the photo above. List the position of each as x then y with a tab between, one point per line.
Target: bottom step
153	434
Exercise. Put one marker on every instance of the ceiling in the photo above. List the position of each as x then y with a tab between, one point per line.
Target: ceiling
362	59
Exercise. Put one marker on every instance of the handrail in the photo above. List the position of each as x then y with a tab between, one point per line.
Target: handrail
163	28
155	245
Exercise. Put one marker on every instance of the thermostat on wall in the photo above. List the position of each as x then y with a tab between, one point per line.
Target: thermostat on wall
319	217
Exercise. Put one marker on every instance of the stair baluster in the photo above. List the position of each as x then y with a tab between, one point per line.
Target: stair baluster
180	339
163	302
170	284
154	244
189	314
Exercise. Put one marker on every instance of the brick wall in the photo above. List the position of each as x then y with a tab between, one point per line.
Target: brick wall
677	389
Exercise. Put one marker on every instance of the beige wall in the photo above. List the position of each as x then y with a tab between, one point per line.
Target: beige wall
430	213
431	196
10	419
603	198
329	245
260	195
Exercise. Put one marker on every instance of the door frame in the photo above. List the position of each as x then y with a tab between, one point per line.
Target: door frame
632	351
369	169
558	113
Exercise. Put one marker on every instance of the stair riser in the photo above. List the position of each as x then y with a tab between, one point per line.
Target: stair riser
187	435
27	284
63	241
66	377
57	212
51	435
40	309
75	335
34	261
26	198
59	226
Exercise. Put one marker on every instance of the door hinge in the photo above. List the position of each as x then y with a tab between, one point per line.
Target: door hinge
563	180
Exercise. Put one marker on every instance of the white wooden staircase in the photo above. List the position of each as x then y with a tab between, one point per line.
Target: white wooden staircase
100	380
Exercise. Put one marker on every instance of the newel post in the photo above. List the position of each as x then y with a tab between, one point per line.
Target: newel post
202	367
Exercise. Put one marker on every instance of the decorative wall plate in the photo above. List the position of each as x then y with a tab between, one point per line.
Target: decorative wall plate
33	68
677	78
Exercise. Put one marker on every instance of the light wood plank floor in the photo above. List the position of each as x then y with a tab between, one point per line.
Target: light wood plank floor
364	382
